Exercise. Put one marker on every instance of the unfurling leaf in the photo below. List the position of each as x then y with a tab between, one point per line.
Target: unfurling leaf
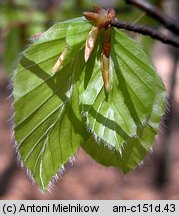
104	95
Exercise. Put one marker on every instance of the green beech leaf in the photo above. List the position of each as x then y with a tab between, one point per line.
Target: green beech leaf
125	121
134	149
48	126
54	114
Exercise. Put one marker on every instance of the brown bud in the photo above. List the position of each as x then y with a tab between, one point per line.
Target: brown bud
100	10
111	13
101	18
91	16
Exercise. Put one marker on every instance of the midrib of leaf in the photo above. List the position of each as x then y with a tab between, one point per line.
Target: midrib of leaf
97	113
37	108
137	98
105	128
121	117
99	107
126	81
41	138
97	95
36	127
134	94
43	149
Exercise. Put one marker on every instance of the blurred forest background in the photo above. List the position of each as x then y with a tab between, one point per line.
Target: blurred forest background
158	177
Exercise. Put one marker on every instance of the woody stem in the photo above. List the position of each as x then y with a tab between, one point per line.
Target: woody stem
144	30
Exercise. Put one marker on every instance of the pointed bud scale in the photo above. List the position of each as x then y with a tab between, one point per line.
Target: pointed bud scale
59	61
90	42
111	13
92	17
101	20
105	71
100	10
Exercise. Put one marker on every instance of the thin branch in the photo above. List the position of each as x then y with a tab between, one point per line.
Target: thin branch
155	13
144	30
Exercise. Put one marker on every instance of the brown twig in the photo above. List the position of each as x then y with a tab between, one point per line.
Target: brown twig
144	30
155	13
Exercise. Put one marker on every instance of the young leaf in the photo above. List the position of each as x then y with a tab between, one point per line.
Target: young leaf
54	82
125	121
134	149
48	126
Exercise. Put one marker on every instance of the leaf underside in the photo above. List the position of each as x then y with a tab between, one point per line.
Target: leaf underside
55	114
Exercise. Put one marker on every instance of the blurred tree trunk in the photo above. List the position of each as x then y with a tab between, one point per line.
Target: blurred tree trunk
163	173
